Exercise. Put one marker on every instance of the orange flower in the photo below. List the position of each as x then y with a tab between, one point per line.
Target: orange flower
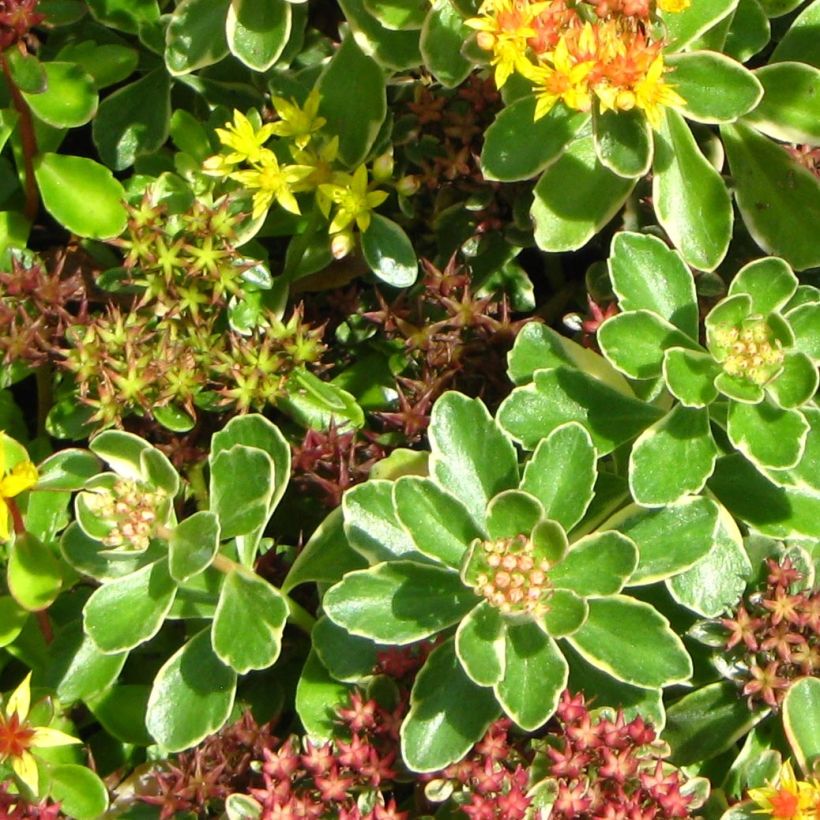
786	798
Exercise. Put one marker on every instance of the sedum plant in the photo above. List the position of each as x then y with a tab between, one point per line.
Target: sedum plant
518	574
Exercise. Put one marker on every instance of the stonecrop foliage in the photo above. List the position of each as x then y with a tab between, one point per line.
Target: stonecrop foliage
408	408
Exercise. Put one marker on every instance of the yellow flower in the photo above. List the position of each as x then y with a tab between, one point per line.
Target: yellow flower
674	6
272	181
563	80
652	93
21	477
18	736
246	141
353	201
296	122
786	798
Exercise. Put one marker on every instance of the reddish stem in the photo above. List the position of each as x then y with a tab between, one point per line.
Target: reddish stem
16	517
28	141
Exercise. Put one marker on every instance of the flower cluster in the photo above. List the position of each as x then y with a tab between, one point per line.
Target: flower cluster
787	798
580	53
774	635
302	160
490	783
17	18
750	351
610	768
350	779
172	347
15	807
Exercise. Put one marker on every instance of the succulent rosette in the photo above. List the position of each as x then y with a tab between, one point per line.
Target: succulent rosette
520	576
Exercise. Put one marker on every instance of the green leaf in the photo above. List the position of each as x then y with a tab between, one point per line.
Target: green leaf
79	791
561	474
134	120
796	383
195	36
670	539
749	31
716	88
371	523
623	141
691	200
672	458
535	674
770	282
439	525
254	430
635	341
801	720
28	73
326	557
790	108
347	657
799	43
82	195
470	455
448	713
685	26
192	545
248	624
398	602
316	696
648	275
12	619
566	613
805	474
258	32
775	194
706	722
192	696
517	147
597	564
780	512
538	347
560	395
631	641
120	710
777	8
442	35
125	15
34	575
128	611
353	100
512	513
70	98
397	50
82	553
690	376
106	64
398	15
389	253
67	470
481	644
76	668
575	197
241	506
804	321
122	451
715	582
767	434
314	403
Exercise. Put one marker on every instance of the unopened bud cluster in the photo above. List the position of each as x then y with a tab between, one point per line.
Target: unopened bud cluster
131	510
514	580
754	353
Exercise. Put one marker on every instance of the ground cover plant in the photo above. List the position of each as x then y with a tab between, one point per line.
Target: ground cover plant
409	409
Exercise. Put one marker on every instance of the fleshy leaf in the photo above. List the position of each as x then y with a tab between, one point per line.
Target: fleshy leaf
561	474
442	35
697	18
70	98
691	200
801	720
192	545
389	252
770	282
398	602
513	513
470	455
347	657
767	434
597	564
797	381
535	674
669	539
195	36
560	395
623	142
799	43
33	572
566	614
248	624
192	696
690	376
481	644
672	458
448	713
257	33
633	642
648	275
